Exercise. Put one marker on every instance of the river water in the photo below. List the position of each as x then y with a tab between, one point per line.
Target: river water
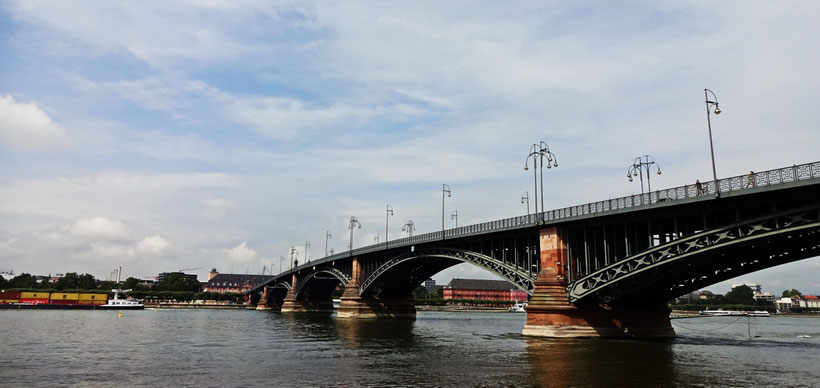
218	348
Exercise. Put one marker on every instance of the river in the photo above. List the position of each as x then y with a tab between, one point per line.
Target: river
218	348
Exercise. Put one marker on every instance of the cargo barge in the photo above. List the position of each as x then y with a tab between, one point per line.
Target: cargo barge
65	300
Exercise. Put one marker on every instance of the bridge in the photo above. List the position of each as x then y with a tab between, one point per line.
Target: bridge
604	268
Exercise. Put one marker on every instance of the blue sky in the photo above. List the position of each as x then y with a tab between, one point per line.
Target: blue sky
159	136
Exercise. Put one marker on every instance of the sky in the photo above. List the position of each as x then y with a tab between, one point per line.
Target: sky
160	136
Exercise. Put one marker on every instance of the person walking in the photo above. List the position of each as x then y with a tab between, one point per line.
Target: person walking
750	181
698	187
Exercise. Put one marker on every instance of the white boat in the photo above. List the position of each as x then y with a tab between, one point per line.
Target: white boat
759	314
717	313
518	307
121	304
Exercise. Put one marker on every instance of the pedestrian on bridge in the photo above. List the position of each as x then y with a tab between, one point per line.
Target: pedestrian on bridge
750	181
698	187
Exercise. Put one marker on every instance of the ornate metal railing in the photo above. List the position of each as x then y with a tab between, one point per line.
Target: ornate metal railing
796	173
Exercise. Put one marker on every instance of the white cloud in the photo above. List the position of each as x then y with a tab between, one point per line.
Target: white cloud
99	229
26	126
154	245
241	253
217	207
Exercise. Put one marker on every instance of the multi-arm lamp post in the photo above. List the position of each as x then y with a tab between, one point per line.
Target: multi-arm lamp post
444	190
709	105
454	216
409	227
537	153
307	245
386	223
526	198
327	236
640	164
354	223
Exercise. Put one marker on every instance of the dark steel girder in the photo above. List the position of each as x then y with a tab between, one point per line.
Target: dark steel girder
683	265
517	277
331	271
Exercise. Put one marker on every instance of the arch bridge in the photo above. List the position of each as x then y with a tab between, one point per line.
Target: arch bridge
605	268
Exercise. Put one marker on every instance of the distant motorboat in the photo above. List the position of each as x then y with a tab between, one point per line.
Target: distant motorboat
759	314
716	313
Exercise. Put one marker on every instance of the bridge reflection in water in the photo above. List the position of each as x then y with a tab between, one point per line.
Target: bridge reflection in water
603	269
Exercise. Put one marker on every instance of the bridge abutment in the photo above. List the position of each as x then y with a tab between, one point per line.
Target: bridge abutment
550	313
263	301
354	306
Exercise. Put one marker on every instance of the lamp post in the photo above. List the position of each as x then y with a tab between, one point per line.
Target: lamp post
293	252
327	236
454	216
709	104
386	223
281	263
307	245
409	227
526	197
376	238
444	190
640	164
537	153
354	223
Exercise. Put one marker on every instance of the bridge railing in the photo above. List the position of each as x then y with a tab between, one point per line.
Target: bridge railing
768	178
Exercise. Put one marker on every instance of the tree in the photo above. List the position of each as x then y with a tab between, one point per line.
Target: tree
741	295
86	282
23	280
790	293
67	282
177	282
131	283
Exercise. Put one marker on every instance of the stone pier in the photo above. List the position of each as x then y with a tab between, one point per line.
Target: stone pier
354	306
292	304
550	314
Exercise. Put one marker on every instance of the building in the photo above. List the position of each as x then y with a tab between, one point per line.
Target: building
767	296
163	275
807	301
482	289
223	283
430	284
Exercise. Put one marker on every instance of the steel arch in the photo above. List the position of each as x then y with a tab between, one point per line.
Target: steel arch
327	270
750	231
519	278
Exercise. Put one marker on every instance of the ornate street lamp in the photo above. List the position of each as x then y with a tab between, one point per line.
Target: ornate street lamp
327	236
354	223
526	197
454	216
386	223
444	190
307	245
640	164
709	104
409	227
537	153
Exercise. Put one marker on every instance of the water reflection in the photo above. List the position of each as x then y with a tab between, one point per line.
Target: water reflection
600	362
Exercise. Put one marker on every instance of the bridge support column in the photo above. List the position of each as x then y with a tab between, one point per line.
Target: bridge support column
354	306
263	301
550	314
292	304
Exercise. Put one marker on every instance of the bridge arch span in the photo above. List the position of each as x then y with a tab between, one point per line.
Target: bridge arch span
687	264
320	283
399	276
